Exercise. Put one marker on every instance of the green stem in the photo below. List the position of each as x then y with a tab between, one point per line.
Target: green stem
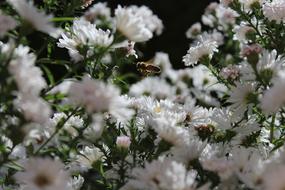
59	126
62	19
272	128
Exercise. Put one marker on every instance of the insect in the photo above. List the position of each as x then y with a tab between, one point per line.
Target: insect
147	68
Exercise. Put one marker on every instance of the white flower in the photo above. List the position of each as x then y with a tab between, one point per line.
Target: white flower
212	36
152	86
43	174
33	108
241	98
226	16
268	67
96	96
223	167
273	179
95	130
39	20
168	130
195	115
97	10
123	142
189	151
28	77
6	23
230	72
203	79
241	31
203	49
274	10
270	64
226	3
194	30
152	22
76	182
71	125
83	33
88	156
164	174
30	82
248	165
132	25
222	118
273	98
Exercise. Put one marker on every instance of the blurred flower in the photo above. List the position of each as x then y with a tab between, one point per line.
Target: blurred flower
32	16
132	25
202	49
42	174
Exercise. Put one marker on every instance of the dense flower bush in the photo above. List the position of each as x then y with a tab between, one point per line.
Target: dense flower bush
81	108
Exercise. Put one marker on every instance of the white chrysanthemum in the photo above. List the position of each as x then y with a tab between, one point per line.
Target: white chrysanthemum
273	99
88	156
222	118
268	67
96	96
195	115
30	82
154	87
71	125
274	10
6	23
97	11
28	77
76	182
95	130
248	165
212	36
150	112
39	20
204	79
152	22
33	108
270	64
226	16
169	131
164	174
83	33
241	31
194	30
241	98
223	167
272	177
132	25
42	174
203	48
243	131
188	151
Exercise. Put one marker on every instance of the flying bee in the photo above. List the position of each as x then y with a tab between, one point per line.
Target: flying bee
147	68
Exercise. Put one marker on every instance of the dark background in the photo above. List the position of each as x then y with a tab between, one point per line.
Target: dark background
177	16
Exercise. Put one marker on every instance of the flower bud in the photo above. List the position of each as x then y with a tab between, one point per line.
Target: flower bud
123	142
251	52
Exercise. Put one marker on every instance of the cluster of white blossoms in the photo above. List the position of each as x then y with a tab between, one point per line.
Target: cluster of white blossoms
29	81
82	34
35	18
113	121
